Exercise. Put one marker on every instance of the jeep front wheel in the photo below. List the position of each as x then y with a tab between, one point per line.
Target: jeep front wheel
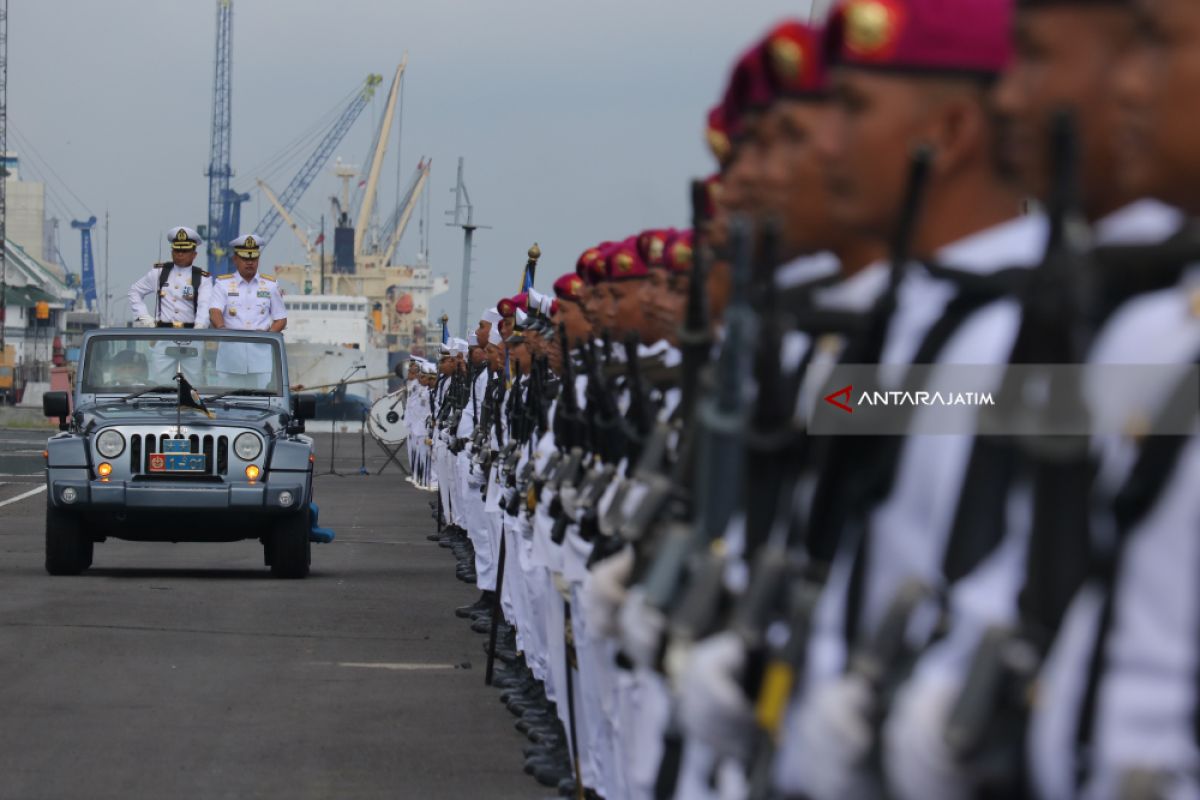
288	547
68	549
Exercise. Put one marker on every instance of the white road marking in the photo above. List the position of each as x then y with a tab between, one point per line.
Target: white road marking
20	497
396	667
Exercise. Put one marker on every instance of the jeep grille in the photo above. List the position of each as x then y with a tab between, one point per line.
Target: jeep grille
216	448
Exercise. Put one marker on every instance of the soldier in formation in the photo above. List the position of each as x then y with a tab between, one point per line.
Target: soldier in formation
880	479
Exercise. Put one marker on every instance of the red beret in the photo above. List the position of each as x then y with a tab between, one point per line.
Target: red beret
965	37
590	265
554	308
795	64
677	257
624	262
652	243
506	307
749	91
716	134
521	301
568	287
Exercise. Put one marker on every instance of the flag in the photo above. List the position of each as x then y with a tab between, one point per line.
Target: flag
190	398
320	239
445	331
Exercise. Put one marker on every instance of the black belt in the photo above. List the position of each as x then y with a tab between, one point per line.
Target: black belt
174	324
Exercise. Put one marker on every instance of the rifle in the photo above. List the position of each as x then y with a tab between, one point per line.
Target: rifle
789	572
720	424
1054	329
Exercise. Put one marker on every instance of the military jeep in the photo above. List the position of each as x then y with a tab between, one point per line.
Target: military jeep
177	435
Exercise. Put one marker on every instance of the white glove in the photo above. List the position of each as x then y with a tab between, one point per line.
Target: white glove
713	707
916	761
144	321
474	479
836	740
642	628
604	591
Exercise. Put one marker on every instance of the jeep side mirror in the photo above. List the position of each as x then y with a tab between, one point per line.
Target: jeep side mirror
304	406
57	404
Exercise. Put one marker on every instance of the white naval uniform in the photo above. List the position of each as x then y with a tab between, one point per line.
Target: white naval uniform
251	305
1147	697
174	303
908	530
917	762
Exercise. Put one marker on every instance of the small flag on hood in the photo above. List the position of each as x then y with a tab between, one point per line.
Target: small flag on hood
190	398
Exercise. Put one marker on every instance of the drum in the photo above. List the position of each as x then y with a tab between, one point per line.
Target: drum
386	420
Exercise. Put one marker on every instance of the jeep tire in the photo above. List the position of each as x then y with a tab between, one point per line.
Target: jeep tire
68	548
289	551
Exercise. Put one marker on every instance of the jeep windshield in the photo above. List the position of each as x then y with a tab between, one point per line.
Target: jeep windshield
146	363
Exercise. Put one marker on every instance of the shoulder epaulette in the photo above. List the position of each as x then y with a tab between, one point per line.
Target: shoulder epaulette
267	277
203	272
231	276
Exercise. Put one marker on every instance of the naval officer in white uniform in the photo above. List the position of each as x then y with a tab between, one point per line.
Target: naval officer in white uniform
247	301
182	291
182	296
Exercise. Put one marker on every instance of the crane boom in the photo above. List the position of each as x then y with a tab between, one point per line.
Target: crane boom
219	169
405	212
285	216
385	128
287	200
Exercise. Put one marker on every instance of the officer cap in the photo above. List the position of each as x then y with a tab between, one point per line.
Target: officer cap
247	245
183	239
491	316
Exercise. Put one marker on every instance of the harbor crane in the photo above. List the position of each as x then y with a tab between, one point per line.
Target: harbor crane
224	205
87	269
283	204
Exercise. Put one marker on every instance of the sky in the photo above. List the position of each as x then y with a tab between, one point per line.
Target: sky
578	122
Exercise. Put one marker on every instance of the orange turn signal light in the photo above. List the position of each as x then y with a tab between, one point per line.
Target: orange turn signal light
104	470
46	454
252	473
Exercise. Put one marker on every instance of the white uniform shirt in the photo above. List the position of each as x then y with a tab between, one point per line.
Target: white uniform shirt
247	306
174	302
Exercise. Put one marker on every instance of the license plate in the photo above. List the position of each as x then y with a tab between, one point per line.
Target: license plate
178	462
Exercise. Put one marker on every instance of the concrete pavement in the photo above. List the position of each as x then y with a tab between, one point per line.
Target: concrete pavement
186	671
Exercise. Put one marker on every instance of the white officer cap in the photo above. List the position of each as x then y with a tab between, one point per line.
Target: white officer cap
183	238
494	336
248	245
539	302
491	316
461	346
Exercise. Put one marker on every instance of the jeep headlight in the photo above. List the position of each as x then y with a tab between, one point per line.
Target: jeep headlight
110	444
247	446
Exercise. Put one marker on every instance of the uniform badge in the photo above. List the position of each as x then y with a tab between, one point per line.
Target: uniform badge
787	59
873	28
263	293
187	291
623	262
233	312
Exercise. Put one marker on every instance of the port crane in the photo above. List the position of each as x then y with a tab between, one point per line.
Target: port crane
283	204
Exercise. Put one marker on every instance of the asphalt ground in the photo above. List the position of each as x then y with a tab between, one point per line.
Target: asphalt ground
185	671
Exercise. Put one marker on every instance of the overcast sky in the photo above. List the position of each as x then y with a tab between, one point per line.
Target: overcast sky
578	121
